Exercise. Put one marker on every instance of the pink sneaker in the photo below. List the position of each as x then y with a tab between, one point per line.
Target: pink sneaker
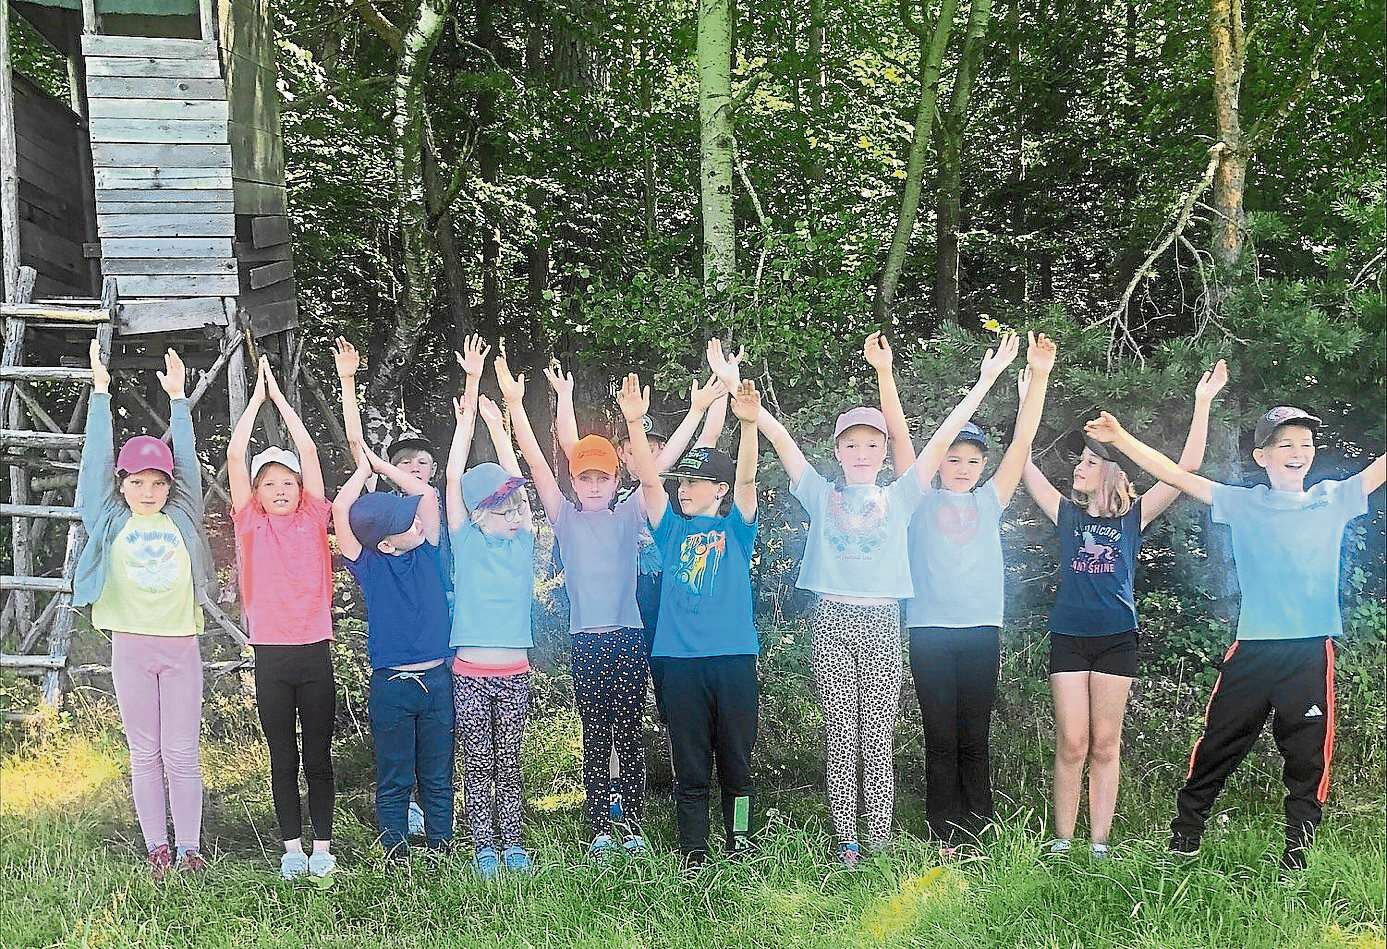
160	861
191	861
849	855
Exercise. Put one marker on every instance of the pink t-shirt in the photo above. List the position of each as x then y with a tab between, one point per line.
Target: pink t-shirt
286	572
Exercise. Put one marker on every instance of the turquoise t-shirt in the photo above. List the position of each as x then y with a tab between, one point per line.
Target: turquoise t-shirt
705	590
1286	546
493	588
857	536
956	559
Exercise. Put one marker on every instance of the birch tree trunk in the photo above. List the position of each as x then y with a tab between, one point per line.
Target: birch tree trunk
951	127
1230	178
715	140
930	59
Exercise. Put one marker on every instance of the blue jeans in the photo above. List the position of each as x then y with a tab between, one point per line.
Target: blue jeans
412	727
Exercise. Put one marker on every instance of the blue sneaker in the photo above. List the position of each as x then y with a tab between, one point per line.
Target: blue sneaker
416	819
486	863
517	860
601	847
293	864
634	844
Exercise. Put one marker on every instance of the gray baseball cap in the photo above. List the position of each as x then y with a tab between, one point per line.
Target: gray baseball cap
1282	415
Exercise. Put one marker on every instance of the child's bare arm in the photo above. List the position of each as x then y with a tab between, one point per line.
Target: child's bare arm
707	398
546	485
634	402
310	469
747	407
237	473
428	515
342	505
1032	383
1374	475
1161	495
565	421
1042	492
993	364
1108	430
877	351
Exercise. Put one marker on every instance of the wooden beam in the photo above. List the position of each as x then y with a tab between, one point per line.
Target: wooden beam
8	661
142	155
236	391
153	68
180	285
45	440
166	131
196	200
139	317
60	637
150	46
149	266
53	511
9	165
44	374
269	231
165	225
207	21
113	87
152	178
192	110
108	206
166	247
268	274
35	584
89	21
35	630
47	311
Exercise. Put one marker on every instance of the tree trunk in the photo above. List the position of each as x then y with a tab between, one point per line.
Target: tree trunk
715	139
930	60
1017	286
489	168
952	125
1228	39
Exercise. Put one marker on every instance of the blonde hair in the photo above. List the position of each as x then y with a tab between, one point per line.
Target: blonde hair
1115	494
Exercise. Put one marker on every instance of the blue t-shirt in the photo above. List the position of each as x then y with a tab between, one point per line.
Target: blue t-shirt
857	535
705	593
1286	547
600	563
406	610
1098	567
493	588
956	559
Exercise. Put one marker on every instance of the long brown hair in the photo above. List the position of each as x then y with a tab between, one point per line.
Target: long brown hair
1115	494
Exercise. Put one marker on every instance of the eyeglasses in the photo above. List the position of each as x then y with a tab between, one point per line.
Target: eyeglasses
511	512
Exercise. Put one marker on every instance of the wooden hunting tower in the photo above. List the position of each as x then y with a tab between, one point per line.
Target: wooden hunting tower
145	205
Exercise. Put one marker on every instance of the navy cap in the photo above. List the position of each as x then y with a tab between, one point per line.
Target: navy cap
971	433
653	429
1282	415
705	464
409	443
380	514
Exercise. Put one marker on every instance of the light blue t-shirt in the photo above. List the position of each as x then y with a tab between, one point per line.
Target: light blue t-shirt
857	536
956	559
1286	546
705	590
493	588
599	563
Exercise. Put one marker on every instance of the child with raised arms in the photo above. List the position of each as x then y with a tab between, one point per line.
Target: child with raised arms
1286	548
855	559
493	580
706	635
144	572
1093	623
280	514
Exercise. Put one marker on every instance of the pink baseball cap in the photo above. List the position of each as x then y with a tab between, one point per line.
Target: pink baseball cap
143	453
862	415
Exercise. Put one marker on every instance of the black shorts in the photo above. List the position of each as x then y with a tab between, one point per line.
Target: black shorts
1115	655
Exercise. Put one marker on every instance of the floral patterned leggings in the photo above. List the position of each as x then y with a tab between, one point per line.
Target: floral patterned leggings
491	714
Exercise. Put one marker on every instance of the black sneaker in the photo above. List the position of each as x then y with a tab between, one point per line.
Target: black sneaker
1184	845
1293	860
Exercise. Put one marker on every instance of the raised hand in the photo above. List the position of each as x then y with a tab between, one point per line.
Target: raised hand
701	397
363	460
561	382
633	401
994	363
489	411
472	359
101	376
271	383
258	394
725	368
1105	428
346	358
1023	383
746	404
877	351
1040	353
512	387
174	376
1212	383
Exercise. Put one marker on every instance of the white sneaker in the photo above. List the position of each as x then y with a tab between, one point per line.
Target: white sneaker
293	864
601	847
1059	845
322	864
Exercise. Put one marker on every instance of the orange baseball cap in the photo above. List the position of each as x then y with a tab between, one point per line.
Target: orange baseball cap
593	453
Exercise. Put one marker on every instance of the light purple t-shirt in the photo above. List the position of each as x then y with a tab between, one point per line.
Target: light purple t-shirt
599	559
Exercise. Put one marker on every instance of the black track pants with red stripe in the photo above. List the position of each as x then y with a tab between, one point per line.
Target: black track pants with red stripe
1294	680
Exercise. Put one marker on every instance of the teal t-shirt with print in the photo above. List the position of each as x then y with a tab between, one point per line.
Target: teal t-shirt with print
705	590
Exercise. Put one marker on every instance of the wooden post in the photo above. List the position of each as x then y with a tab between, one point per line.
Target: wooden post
208	20
237	396
9	164
89	21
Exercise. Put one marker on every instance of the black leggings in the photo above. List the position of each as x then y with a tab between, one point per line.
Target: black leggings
955	673
609	673
293	685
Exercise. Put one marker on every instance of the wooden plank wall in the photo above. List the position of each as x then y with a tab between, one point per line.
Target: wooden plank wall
49	139
265	255
162	160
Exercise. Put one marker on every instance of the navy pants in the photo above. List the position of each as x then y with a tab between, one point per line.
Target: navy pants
412	727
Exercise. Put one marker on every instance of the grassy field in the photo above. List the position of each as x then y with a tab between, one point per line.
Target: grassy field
71	873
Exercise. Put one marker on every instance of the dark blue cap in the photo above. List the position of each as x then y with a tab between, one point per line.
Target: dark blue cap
971	433
381	514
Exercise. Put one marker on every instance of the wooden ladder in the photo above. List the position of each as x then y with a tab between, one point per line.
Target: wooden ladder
18	404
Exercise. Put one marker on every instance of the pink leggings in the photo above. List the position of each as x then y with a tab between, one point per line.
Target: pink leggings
158	683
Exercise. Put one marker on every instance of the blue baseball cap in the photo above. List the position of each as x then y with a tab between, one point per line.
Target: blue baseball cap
971	433
487	485
380	514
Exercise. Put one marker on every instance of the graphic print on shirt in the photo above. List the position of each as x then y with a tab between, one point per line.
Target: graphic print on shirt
857	523
957	522
700	555
1094	556
151	557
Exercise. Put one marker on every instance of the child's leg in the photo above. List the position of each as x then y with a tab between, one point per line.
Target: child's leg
831	657
133	672
473	723
1070	693
1303	725
393	710
593	690
1107	696
512	706
934	668
275	694
648	600
317	703
1237	708
434	755
689	707
628	704
180	725
880	671
978	658
733	683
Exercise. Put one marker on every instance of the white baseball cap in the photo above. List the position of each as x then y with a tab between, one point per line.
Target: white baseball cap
276	456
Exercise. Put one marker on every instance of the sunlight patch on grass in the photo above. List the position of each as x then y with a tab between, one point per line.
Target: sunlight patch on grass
1364	939
890	917
552	803
56	778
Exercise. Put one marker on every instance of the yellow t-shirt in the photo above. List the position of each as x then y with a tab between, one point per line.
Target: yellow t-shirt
149	582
